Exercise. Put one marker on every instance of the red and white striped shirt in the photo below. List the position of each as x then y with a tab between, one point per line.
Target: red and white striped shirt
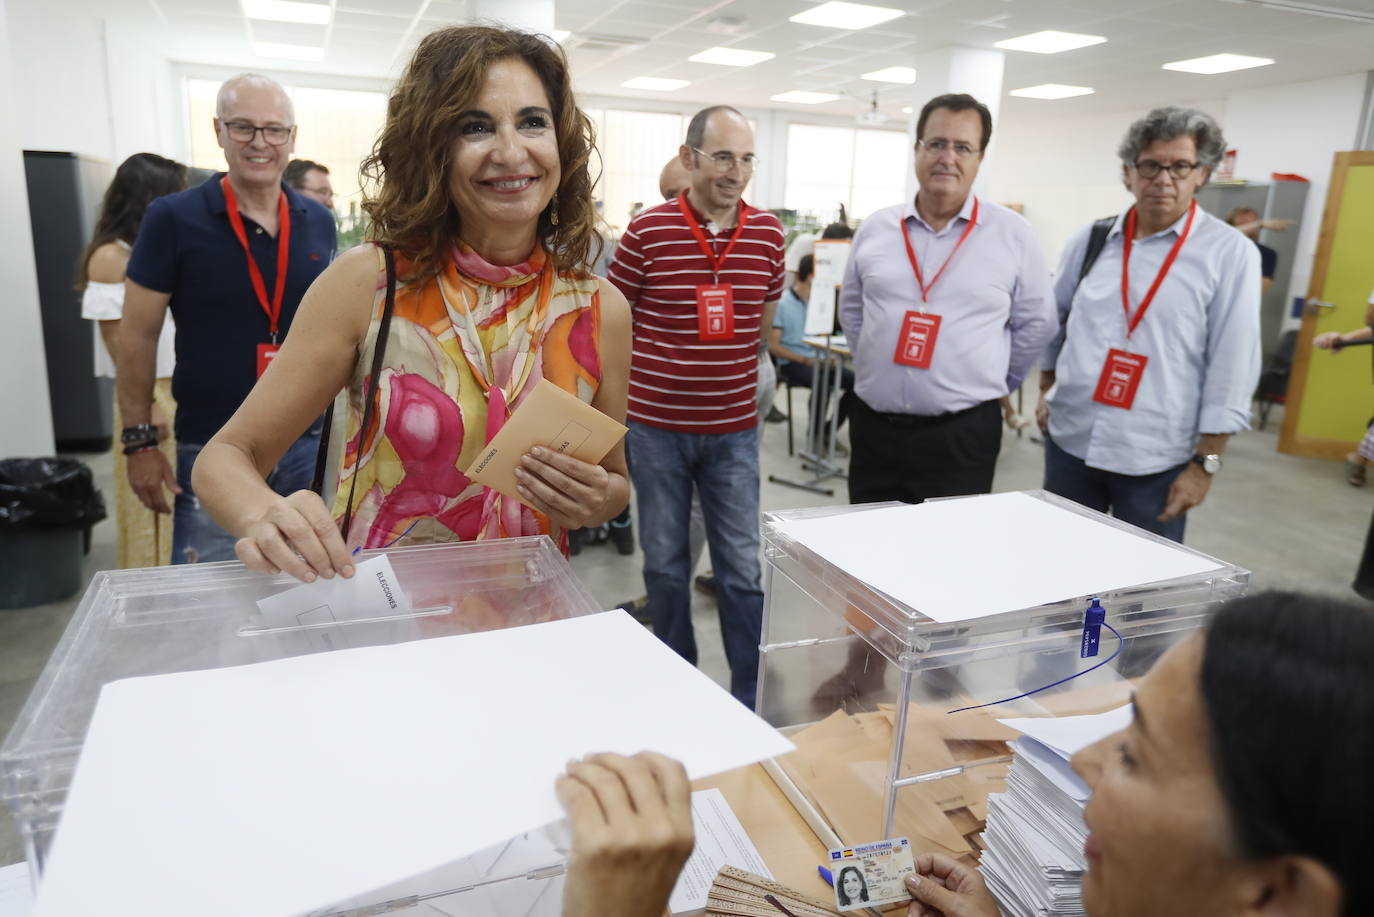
678	381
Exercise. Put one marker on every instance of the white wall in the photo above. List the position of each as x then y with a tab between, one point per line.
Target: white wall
25	415
1296	128
71	113
1066	172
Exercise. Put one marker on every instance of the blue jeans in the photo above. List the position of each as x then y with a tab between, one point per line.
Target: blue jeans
1137	499
196	538
724	470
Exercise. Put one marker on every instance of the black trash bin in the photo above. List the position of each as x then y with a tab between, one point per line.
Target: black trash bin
47	508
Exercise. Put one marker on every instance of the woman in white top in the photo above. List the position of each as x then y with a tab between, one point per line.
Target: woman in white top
145	540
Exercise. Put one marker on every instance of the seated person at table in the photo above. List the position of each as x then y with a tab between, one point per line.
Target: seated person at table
797	360
1241	788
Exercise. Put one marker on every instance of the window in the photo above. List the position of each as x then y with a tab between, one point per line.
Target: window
826	166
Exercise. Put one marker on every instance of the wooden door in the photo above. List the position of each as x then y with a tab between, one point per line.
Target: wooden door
1331	396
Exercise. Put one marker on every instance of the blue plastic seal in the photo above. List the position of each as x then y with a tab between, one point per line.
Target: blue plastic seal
1093	619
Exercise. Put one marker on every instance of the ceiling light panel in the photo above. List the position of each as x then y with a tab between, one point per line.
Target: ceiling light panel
837	14
654	83
1049	42
892	75
802	97
559	35
1052	91
287	52
287	11
732	57
1218	63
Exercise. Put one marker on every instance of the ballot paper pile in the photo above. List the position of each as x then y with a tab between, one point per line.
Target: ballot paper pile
1033	845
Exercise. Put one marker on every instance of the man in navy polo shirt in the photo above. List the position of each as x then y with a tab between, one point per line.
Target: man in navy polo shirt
214	254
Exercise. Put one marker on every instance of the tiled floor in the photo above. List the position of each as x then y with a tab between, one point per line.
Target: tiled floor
1293	521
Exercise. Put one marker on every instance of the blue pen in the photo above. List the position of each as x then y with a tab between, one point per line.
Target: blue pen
394	540
825	874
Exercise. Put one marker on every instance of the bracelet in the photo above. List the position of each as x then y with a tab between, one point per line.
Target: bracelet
143	432
144	446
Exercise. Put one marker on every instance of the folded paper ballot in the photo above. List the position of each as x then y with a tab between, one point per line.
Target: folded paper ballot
550	417
287	787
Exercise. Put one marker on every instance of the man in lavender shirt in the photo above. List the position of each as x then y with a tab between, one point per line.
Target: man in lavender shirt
946	303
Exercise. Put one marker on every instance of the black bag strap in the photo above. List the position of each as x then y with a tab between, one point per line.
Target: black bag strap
1097	240
370	399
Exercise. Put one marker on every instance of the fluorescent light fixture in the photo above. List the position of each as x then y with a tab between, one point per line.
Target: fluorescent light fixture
802	97
655	83
892	75
559	35
1218	63
1049	42
908	110
836	14
732	57
1052	91
287	52
287	11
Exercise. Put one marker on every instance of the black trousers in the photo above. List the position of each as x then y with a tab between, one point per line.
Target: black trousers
1364	576
913	458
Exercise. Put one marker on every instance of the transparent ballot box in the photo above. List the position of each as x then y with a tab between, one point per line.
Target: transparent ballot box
895	715
177	619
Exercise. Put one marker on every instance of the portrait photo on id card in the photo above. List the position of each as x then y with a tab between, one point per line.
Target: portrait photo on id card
871	875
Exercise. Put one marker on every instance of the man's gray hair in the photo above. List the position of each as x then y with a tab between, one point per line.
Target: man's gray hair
231	85
1169	123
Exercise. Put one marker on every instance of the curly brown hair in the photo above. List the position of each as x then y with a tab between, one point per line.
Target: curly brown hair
405	184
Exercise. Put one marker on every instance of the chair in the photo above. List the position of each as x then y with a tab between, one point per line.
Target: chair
1273	380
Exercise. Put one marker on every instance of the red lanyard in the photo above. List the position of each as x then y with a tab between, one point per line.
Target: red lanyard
701	237
283	253
916	268
1131	323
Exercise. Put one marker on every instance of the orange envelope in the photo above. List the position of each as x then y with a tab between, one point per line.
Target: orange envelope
548	417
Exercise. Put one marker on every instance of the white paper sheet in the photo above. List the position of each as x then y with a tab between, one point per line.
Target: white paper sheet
831	256
720	840
16	894
283	787
953	560
1068	735
372	592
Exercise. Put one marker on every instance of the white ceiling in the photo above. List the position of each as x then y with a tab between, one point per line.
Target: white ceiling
372	39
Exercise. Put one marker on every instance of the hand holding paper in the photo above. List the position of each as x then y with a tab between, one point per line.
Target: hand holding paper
546	456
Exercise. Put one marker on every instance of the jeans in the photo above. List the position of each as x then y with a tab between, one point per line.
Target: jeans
723	468
1137	499
196	538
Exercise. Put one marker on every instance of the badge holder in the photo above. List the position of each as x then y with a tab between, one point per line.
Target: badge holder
818	456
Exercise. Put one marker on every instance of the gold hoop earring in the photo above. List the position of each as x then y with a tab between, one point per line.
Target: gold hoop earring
553	212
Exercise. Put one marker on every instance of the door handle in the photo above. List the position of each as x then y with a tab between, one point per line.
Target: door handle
1315	305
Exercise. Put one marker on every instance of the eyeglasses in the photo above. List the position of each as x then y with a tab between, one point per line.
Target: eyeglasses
725	162
246	132
940	147
1149	169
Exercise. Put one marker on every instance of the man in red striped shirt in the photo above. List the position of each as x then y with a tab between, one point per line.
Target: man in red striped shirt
703	273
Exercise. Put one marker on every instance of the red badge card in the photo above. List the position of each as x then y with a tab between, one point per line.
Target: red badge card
1120	378
715	312
266	353
916	344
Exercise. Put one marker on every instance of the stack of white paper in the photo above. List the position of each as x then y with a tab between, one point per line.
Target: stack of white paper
1033	861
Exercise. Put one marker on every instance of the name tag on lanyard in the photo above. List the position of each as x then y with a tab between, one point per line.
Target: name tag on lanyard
1122	370
715	301
268	351
715	312
920	330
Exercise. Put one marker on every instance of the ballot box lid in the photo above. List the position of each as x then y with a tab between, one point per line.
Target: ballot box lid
990	574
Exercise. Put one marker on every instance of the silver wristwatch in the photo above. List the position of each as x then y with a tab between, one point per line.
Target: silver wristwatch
1210	463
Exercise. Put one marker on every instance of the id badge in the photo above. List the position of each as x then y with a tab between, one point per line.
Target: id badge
715	312
871	875
1120	378
266	354
916	343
